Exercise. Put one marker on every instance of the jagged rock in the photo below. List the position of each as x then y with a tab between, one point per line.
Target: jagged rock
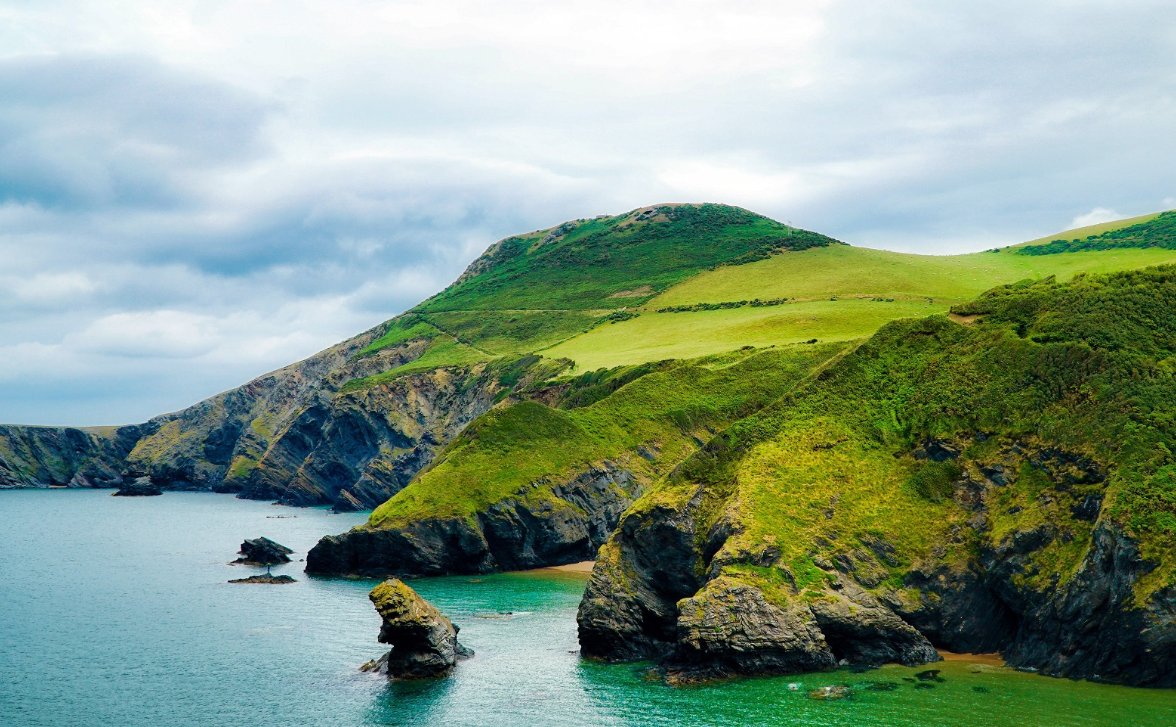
139	487
424	642
263	551
731	628
265	578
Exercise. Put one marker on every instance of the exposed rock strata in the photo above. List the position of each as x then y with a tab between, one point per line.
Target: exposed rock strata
424	642
263	551
515	534
293	435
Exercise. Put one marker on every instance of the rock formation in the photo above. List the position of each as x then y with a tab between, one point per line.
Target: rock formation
265	578
424	642
263	551
512	535
139	487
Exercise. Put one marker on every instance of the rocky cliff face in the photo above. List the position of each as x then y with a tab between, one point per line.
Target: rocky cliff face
518	533
65	456
1005	485
667	587
294	435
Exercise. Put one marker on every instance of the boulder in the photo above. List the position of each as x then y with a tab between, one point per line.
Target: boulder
424	642
263	551
139	487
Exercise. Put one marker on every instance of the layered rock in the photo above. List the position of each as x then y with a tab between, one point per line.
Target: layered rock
263	551
424	642
293	436
514	534
65	456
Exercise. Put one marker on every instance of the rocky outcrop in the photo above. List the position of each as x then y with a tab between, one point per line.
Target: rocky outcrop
139	487
1091	627
65	456
424	642
263	551
266	579
295	435
518	533
664	588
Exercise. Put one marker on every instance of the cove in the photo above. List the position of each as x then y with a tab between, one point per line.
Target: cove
117	611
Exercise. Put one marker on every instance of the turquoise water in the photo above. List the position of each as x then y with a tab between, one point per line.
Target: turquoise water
116	611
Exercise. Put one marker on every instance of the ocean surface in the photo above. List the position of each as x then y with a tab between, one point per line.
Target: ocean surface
116	612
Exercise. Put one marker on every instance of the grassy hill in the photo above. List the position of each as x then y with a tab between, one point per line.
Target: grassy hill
1000	484
672	282
732	337
886	452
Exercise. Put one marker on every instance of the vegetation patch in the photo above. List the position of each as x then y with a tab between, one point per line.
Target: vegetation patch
1158	232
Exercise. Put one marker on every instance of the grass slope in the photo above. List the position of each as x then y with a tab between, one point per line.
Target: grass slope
834	294
1050	382
663	412
595	292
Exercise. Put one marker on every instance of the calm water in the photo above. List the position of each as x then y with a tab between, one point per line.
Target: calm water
116	611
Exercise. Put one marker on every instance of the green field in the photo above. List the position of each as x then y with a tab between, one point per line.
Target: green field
919	285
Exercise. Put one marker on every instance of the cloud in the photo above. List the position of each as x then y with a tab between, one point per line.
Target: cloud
1096	216
192	193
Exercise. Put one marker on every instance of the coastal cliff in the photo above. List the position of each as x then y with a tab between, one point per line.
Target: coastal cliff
1002	484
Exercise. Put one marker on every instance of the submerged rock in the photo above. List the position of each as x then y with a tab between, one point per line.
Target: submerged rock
264	578
424	642
263	551
139	487
835	691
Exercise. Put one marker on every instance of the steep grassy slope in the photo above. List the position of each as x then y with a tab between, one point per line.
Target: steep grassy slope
525	472
1005	484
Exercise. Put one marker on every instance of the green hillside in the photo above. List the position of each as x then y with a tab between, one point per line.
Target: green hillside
1009	450
880	449
834	294
682	281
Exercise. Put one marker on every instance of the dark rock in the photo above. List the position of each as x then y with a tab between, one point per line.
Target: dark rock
937	450
1088	509
424	642
264	578
263	551
929	675
512	535
139	487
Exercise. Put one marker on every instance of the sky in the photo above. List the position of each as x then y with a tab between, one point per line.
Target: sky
194	193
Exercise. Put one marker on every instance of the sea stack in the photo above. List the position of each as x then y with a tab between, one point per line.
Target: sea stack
263	551
424	642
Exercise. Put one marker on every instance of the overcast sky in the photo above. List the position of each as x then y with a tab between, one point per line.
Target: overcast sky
193	193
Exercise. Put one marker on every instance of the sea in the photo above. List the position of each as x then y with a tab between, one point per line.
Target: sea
117	612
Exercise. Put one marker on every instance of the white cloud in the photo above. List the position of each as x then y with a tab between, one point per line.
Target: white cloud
1096	216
